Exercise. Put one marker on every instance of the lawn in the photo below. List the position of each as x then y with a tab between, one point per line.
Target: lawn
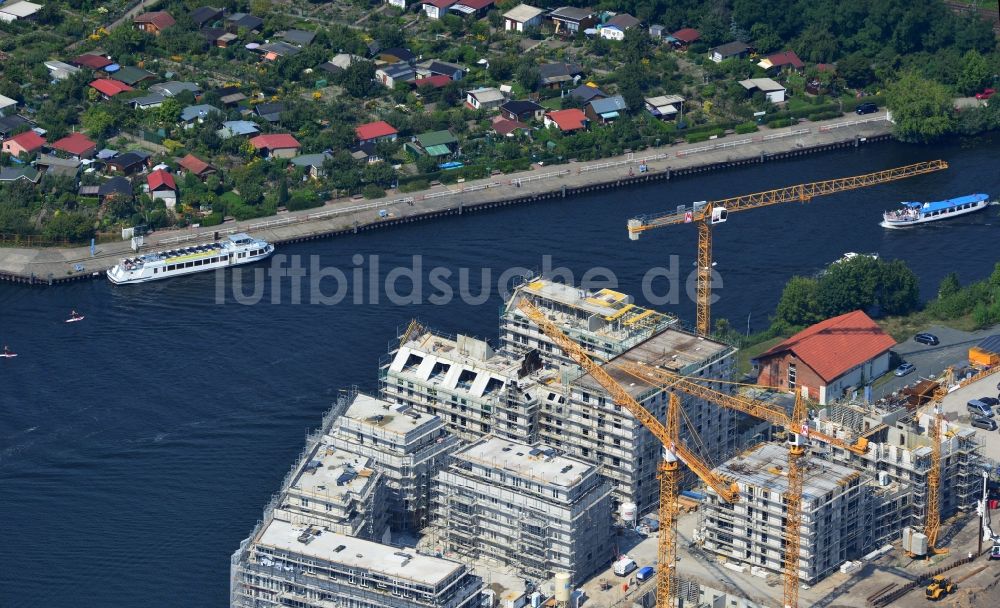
905	327
745	355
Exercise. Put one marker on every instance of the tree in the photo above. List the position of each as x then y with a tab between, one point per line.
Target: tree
950	285
848	285
898	291
921	108
798	305
975	73
98	121
359	79
765	39
856	70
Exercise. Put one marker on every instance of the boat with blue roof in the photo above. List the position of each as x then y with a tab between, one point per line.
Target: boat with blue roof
913	214
238	249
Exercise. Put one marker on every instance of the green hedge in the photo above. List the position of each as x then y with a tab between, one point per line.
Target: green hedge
781	122
299	202
747	127
824	115
212	219
693	138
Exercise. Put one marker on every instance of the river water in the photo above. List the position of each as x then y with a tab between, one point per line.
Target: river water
138	447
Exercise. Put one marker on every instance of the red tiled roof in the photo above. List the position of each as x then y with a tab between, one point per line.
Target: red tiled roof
476	4
373	130
94	62
437	81
826	67
194	164
568	120
161	19
440	3
687	34
786	58
837	345
110	87
75	143
274	141
159	178
29	140
505	126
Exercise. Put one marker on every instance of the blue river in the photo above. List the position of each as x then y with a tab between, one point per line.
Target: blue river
138	447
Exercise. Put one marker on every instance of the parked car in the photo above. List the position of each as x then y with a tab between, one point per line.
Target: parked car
984	423
978	408
928	339
986	94
905	368
866	108
990	401
995	552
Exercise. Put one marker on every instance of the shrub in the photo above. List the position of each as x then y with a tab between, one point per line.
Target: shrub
303	200
747	127
415	185
212	219
780	122
373	191
824	115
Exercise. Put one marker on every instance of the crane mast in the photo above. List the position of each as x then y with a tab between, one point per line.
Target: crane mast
673	452
715	212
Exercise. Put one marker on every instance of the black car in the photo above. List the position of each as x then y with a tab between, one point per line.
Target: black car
866	108
928	339
990	401
984	423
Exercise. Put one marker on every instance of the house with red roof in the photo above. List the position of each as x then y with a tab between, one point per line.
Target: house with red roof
109	88
435	82
276	145
26	143
566	121
829	359
92	61
435	9
683	38
195	165
154	22
785	60
161	185
76	145
375	131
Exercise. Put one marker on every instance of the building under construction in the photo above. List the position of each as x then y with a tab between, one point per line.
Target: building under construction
853	501
475	390
606	323
527	507
405	445
286	564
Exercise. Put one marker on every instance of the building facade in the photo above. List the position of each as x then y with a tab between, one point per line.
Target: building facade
408	447
527	507
475	390
285	564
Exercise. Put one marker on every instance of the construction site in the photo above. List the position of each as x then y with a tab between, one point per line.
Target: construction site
601	454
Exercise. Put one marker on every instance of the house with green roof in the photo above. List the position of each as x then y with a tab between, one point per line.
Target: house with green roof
434	143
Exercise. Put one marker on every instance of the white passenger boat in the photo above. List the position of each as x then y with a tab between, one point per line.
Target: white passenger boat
913	214
237	249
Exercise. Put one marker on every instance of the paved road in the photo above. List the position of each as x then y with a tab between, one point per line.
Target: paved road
932	360
62	262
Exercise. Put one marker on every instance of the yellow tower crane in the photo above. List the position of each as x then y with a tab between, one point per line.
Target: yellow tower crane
673	450
707	213
799	434
932	519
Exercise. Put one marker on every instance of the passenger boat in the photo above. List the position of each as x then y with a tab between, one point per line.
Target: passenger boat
7	353
236	250
913	214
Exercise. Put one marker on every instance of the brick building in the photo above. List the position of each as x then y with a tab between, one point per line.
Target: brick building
828	359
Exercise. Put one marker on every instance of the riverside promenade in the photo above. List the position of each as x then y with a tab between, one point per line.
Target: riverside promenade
46	266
